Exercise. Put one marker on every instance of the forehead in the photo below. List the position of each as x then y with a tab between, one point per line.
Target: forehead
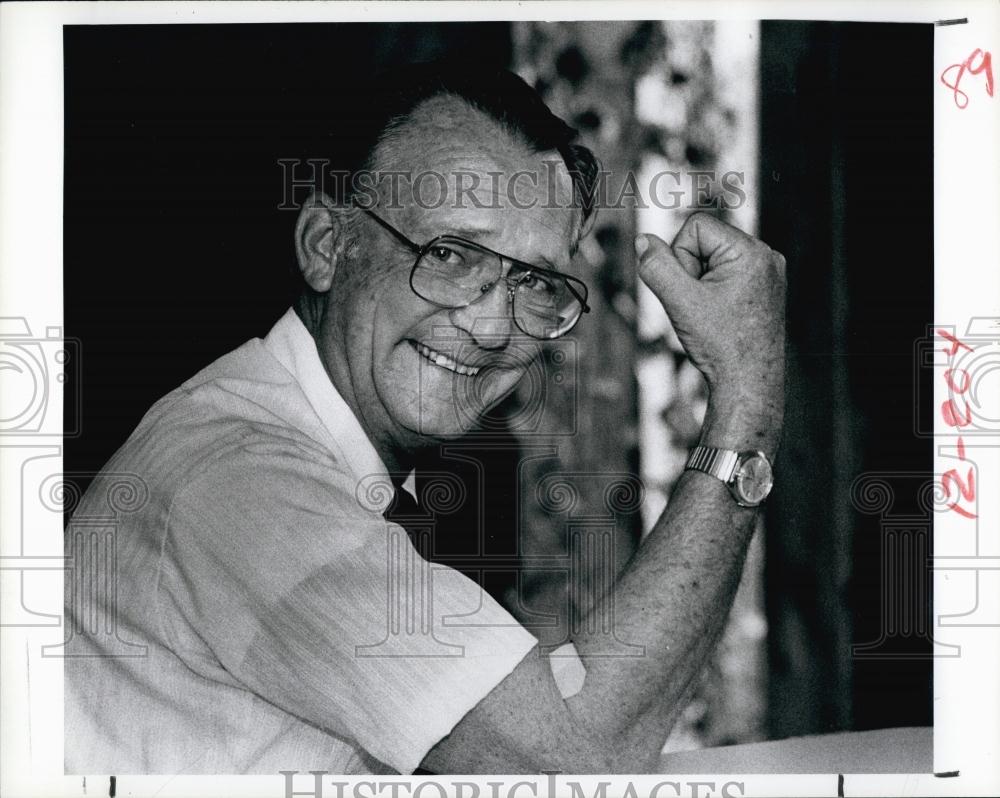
459	172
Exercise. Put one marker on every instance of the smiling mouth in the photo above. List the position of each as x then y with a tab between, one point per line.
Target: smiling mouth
445	362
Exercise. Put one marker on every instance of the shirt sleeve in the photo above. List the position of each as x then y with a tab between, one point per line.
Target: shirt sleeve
326	610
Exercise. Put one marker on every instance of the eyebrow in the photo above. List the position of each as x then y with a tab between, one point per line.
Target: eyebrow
473	232
469	232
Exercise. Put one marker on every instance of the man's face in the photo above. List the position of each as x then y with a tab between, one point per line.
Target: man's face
416	369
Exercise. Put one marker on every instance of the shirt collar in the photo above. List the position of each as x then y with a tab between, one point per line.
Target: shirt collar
291	343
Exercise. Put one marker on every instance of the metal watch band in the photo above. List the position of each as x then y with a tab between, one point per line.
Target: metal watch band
720	463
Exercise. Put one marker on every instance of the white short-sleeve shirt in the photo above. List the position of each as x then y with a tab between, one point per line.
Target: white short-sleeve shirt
265	616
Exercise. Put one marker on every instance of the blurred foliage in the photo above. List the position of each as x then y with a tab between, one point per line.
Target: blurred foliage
639	93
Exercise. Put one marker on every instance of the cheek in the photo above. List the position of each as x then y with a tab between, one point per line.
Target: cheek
378	297
371	325
395	316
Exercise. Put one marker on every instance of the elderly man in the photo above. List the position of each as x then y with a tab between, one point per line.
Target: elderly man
253	589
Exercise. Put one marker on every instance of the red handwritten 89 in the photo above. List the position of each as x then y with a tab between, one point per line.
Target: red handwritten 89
978	62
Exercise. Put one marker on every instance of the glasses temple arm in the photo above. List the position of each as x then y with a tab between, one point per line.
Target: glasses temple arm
415	248
582	299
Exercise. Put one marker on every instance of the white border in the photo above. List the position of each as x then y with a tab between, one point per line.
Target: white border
967	691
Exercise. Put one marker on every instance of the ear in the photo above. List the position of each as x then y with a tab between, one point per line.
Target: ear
319	241
588	224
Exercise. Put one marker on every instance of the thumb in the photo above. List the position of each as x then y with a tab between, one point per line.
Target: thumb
660	269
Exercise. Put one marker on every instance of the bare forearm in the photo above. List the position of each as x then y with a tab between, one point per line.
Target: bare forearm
724	292
674	595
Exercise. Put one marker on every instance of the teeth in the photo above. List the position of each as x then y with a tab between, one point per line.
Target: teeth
446	362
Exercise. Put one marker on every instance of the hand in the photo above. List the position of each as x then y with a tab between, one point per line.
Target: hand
724	292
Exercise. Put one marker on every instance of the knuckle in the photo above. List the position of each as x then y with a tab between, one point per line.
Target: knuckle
770	259
707	221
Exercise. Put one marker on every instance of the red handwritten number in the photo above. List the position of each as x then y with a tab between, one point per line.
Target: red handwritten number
985	65
968	491
951	415
955	343
966	380
949	411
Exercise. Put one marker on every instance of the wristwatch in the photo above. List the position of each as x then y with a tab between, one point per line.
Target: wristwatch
748	474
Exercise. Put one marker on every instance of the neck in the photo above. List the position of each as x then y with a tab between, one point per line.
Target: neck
398	462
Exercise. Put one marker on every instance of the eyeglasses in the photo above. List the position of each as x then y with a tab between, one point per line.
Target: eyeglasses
452	272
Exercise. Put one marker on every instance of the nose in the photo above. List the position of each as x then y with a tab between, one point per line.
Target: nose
488	319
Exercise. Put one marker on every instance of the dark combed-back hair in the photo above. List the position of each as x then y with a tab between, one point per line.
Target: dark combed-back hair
384	102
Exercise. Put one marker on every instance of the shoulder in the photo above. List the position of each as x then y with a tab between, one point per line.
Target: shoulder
243	404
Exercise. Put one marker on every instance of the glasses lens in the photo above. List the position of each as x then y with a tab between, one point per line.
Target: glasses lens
544	305
454	274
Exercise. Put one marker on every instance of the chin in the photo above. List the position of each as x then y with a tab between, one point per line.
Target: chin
447	419
433	426
446	405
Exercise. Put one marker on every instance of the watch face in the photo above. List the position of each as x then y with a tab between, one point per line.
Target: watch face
753	480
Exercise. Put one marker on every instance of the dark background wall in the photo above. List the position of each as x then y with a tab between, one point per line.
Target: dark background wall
847	167
176	252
